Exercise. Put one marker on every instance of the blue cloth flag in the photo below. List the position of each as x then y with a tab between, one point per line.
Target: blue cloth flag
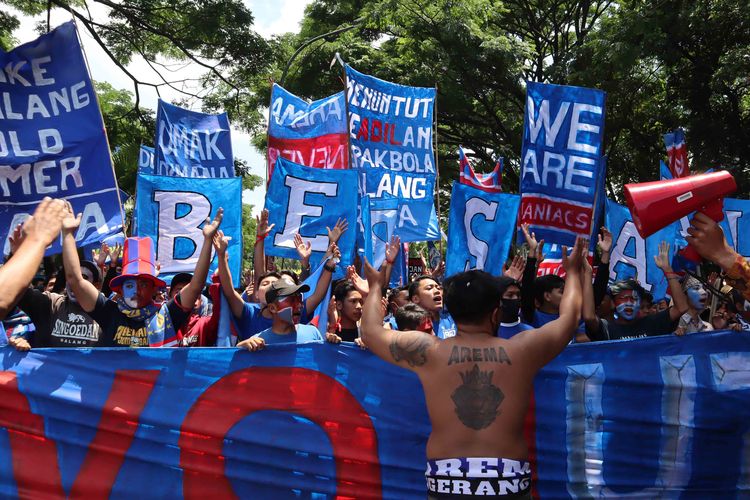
308	200
52	140
561	160
192	144
736	224
480	229
172	210
390	125
379	221
146	160
417	219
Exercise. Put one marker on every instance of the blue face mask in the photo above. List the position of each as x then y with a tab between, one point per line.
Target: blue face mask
697	297
629	310
130	293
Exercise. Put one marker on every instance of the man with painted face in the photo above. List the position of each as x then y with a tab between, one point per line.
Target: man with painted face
426	292
510	299
132	319
626	296
697	296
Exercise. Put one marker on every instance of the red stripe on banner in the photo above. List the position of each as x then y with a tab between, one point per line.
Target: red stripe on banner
325	151
307	393
558	214
529	433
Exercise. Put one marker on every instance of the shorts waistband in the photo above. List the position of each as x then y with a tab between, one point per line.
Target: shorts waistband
478	476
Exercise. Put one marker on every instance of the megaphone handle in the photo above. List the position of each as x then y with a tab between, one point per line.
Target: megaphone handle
714	209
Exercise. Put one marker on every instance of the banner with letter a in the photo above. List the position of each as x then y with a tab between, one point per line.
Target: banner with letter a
171	210
307	200
52	139
480	229
311	134
632	256
417	219
390	125
192	144
561	159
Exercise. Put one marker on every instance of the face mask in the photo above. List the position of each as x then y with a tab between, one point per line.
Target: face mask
130	293
628	315
286	315
510	310
697	297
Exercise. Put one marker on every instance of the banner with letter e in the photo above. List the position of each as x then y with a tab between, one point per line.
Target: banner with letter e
308	200
561	160
480	229
311	134
52	139
172	210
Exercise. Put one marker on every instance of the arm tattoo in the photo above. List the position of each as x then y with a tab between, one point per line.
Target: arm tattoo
412	350
477	399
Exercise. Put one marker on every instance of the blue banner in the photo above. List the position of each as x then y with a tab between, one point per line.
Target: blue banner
736	224
146	160
379	221
561	160
172	210
390	125
480	229
192	144
52	139
307	200
650	417
633	257
417	219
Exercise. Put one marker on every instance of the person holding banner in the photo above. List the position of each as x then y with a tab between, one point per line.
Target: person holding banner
476	385
41	229
132	319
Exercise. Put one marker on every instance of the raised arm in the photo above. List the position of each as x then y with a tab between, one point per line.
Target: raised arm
602	275
41	229
406	349
192	290
543	344
528	305
680	305
321	288
391	254
86	293
588	309
259	253
236	304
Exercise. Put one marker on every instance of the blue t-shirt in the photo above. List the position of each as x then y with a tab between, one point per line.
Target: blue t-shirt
302	335
445	328
542	318
253	321
507	330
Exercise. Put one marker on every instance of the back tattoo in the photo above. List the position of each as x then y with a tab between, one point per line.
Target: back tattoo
477	399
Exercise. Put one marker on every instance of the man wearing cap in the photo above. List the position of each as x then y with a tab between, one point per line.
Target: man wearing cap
132	319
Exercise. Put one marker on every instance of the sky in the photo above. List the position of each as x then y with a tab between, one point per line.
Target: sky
271	18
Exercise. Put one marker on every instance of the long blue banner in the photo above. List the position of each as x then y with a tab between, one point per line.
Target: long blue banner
480	229
52	139
659	417
561	160
171	210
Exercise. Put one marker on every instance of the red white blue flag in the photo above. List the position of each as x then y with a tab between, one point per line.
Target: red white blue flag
677	153
489	183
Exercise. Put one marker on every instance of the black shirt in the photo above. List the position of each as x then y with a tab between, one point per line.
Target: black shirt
647	326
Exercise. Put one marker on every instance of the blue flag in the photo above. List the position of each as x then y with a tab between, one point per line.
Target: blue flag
172	210
192	144
561	160
146	160
632	256
390	125
417	219
379	222
480	229
52	140
308	200
736	224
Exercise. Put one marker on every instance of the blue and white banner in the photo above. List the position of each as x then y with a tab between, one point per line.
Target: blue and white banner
561	160
390	125
172	210
52	139
736	224
192	144
480	229
379	219
632	256
308	200
146	160
417	219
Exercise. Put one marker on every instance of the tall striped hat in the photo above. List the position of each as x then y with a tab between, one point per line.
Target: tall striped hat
137	262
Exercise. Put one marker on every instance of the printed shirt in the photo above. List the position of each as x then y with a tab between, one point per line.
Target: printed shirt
60	322
201	330
647	326
445	327
303	334
693	325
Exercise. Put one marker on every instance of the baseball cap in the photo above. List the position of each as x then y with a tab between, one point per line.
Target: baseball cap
283	288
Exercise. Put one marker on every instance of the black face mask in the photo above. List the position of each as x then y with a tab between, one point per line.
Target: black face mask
510	310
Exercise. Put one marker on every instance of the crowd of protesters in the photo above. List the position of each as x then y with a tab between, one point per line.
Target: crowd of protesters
118	300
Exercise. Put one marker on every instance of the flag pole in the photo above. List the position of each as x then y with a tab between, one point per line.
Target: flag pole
437	170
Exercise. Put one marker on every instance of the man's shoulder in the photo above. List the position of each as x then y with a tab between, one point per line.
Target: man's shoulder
308	332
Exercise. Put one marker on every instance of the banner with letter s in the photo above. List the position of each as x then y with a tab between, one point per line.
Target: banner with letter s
192	144
390	125
171	210
307	200
480	229
561	160
311	134
52	139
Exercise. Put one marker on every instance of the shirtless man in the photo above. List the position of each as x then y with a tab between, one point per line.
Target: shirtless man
476	385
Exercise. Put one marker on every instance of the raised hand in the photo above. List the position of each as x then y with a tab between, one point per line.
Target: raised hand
16	238
220	242
262	229
372	276
540	252
530	240
335	233
46	222
515	270
662	259
70	221
211	226
114	255
604	241
439	270
100	256
705	235
572	262
392	249
355	279
304	248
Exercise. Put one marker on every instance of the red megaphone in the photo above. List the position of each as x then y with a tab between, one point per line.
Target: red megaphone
657	204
